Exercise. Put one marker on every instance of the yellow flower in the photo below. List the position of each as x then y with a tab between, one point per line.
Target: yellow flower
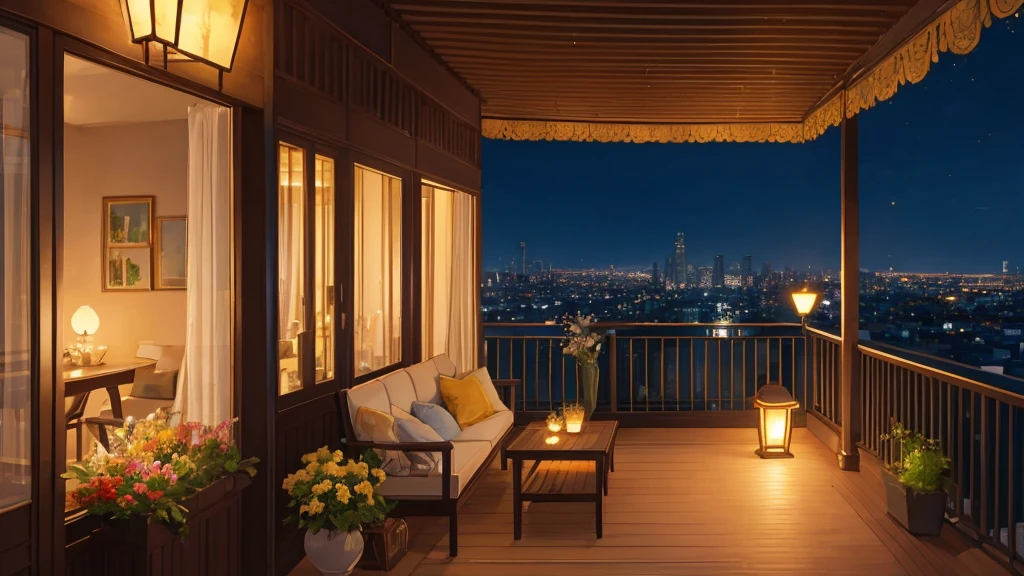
289	482
323	454
313	508
342	493
312	467
365	489
306	458
380	475
322	487
332	469
303	476
338	456
362	469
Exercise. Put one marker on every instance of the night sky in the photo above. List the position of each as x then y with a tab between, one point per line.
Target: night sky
941	185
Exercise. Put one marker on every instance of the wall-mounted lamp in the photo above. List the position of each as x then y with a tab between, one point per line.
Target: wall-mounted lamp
203	30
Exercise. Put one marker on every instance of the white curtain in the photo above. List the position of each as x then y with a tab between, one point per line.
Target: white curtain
204	382
450	298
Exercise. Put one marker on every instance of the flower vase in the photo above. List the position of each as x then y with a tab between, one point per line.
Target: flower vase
589	376
334	553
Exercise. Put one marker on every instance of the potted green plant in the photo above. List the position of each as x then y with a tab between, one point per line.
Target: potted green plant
334	499
913	481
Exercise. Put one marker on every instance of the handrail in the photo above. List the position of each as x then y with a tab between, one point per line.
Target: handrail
873	350
822	334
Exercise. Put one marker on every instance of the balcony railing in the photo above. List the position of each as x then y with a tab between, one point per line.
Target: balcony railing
666	368
653	367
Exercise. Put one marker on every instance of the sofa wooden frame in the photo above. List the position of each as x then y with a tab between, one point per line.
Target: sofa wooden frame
446	504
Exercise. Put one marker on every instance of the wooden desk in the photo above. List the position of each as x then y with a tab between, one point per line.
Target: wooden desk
85	379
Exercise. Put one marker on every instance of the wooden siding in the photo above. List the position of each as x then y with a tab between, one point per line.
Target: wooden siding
329	86
695	501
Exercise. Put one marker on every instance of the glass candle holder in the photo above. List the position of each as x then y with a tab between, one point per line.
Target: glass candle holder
574	414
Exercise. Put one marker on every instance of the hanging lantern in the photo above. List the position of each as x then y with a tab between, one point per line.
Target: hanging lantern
203	30
804	301
775	423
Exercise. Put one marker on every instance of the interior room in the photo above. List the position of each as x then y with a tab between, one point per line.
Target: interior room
146	286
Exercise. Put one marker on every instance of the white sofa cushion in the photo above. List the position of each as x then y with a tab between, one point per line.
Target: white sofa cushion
467	458
484	378
372	394
426	381
400	390
444	365
490	429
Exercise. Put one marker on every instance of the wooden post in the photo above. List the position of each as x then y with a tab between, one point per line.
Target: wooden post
850	400
613	372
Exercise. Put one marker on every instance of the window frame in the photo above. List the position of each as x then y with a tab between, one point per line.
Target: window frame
311	389
410	256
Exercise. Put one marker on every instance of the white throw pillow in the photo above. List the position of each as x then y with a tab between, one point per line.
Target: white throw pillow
411	429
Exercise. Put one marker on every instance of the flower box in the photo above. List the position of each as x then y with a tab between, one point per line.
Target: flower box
137	547
921	513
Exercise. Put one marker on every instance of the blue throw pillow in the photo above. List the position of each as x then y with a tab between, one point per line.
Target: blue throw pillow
437	418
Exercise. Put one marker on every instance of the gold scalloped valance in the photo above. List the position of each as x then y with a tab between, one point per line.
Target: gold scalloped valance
957	30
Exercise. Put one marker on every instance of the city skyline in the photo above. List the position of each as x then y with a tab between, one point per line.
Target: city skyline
938	185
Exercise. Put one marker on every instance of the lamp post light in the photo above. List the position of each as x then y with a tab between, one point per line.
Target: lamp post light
203	30
804	302
775	422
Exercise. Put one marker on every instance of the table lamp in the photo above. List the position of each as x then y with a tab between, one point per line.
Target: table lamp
85	322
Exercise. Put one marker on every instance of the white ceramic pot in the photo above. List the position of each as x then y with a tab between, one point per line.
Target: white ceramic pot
334	553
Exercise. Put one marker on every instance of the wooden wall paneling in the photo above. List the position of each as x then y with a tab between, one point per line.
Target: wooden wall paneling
381	93
16	545
361	20
310	51
445	169
380	140
439	127
422	69
299	430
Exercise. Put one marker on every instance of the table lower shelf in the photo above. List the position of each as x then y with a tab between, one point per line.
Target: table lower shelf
560	478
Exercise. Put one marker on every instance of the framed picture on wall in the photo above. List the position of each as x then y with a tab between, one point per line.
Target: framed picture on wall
127	243
170	252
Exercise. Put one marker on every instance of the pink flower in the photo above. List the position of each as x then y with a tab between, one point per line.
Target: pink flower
140	488
128	498
223	447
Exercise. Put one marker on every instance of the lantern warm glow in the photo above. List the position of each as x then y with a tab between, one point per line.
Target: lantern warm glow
555	422
551	440
804	301
204	30
574	414
775	423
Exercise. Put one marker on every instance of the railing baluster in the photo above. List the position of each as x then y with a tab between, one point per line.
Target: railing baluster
662	372
692	384
679	343
983	499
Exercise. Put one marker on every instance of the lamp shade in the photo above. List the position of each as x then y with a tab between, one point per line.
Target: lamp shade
85	321
804	301
204	30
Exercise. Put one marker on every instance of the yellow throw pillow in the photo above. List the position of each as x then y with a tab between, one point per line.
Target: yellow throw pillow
375	426
466	400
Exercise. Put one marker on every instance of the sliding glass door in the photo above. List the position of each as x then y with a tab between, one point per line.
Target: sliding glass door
15	270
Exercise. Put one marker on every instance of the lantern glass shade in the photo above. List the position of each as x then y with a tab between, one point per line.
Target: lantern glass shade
204	30
210	30
804	302
85	321
574	415
775	421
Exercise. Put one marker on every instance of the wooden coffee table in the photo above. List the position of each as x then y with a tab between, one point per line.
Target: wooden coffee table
561	470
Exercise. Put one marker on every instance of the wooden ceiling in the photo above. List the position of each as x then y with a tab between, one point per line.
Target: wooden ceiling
656	61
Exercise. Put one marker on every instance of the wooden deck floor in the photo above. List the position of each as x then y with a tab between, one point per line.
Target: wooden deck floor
694	501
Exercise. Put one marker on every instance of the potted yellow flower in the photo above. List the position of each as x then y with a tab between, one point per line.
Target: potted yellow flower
334	499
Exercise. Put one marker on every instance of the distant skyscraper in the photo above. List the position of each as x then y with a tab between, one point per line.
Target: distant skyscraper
766	268
654	274
1006	266
679	261
523	246
703	277
718	274
745	266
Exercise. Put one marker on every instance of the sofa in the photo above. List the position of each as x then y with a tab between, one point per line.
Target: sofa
460	462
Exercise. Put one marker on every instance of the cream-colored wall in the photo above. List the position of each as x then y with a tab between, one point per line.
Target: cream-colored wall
143	159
